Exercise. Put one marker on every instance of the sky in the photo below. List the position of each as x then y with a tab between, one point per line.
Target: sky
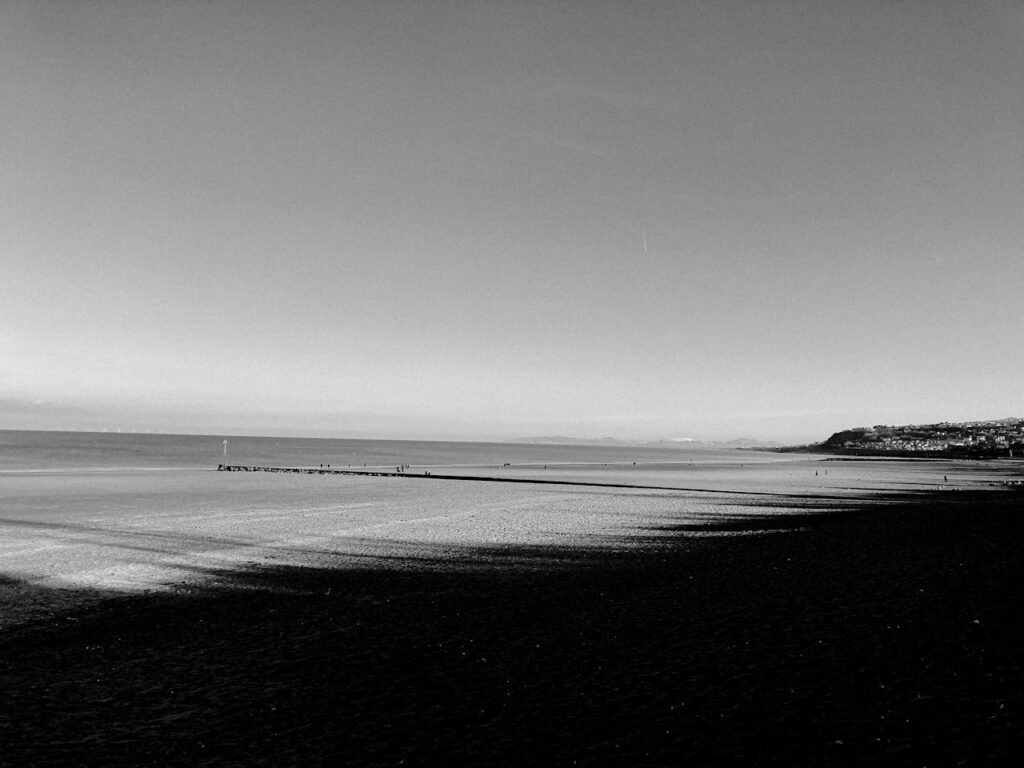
484	220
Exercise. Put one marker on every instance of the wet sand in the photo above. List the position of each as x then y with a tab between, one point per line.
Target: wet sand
842	632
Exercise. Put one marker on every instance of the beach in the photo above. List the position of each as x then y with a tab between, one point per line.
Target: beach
769	616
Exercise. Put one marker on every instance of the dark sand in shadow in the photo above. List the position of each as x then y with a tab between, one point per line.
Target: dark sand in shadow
888	634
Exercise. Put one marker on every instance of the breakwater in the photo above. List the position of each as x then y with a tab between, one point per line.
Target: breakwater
427	474
1014	485
313	471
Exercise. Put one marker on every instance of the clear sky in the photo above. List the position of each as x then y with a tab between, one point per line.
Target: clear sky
496	219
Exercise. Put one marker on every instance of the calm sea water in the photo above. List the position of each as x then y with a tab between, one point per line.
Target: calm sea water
55	451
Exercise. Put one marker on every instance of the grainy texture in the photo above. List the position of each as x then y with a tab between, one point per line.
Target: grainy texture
891	634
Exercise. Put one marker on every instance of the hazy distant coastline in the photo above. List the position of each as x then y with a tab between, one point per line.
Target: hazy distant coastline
683	443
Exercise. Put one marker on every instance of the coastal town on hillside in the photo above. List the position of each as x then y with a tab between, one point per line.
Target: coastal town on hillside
980	439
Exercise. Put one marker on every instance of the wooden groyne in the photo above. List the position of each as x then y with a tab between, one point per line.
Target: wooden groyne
428	475
313	471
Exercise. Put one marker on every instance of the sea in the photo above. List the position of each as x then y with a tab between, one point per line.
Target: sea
69	451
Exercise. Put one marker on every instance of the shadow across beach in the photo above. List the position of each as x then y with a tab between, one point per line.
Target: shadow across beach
876	632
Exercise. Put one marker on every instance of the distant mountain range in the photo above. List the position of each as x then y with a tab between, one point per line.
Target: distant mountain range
681	443
971	439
